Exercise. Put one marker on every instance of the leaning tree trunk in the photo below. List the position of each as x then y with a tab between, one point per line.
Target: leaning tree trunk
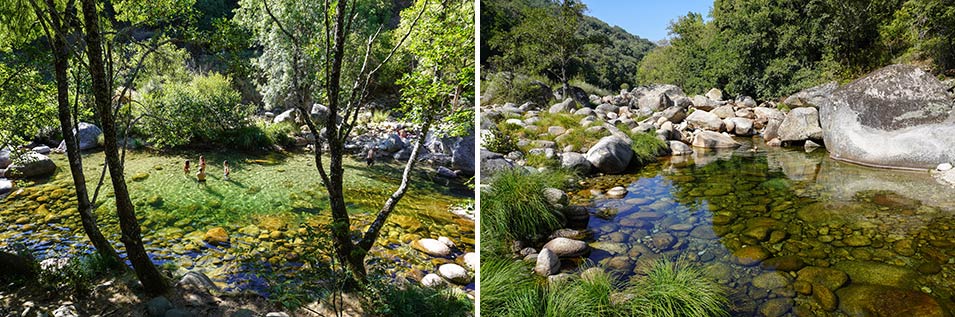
152	280
368	240
60	65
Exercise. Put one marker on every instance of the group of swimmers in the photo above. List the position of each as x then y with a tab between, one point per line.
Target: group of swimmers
201	174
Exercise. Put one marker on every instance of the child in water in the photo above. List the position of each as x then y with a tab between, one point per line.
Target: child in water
225	170
201	174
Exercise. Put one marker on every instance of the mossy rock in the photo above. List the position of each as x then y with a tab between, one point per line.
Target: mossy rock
138	177
155	201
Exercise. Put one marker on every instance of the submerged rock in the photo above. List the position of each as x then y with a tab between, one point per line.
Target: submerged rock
216	236
878	273
899	116
772	280
750	255
776	307
830	278
875	300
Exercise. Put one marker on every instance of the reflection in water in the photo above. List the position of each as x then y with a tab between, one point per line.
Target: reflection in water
773	225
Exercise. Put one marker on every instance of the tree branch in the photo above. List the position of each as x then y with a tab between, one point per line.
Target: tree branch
368	239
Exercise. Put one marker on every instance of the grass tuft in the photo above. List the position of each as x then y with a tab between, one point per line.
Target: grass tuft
646	146
514	206
388	299
677	289
541	160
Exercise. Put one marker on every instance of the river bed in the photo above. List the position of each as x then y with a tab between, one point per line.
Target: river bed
272	207
785	231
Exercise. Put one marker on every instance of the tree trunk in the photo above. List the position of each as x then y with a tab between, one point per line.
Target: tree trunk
60	65
152	280
341	224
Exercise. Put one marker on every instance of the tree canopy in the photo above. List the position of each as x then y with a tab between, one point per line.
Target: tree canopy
772	48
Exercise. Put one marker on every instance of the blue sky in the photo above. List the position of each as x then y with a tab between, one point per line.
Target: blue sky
646	18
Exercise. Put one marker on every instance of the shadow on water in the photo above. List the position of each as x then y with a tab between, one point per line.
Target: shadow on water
747	216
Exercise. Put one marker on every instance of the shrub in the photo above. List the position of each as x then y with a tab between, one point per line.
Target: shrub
509	289
516	88
500	141
514	206
204	109
565	120
589	88
77	276
279	133
676	289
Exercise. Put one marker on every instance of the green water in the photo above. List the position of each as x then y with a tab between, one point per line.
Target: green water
757	220
264	206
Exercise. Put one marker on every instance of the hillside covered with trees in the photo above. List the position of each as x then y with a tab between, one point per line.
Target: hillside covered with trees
769	49
555	42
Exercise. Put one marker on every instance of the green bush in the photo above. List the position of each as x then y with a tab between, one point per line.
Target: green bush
516	88
205	109
279	133
676	289
580	138
514	207
77	276
589	88
500	141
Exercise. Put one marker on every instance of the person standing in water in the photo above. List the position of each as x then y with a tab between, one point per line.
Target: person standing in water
201	174
225	170
370	157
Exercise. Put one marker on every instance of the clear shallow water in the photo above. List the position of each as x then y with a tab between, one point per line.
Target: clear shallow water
792	210
266	208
